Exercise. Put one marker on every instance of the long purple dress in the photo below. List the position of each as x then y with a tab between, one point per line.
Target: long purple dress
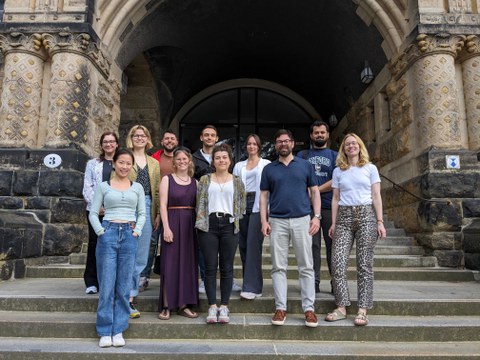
178	260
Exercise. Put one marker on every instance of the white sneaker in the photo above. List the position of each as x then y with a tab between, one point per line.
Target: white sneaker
143	284
91	290
201	287
223	315
105	341
236	287
249	295
118	340
212	317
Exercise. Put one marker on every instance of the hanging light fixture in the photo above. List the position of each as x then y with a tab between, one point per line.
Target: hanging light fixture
332	120
367	74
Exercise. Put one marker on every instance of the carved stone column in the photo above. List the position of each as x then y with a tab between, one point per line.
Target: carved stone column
436	104
471	86
22	89
82	101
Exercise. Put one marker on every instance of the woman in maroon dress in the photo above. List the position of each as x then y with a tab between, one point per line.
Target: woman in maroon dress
178	257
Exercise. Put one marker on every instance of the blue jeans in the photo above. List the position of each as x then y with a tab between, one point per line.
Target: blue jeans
141	257
115	255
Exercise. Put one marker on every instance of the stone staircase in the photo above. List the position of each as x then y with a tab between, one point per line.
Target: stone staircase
421	311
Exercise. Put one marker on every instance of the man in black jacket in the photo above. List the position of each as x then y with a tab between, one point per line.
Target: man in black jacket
203	156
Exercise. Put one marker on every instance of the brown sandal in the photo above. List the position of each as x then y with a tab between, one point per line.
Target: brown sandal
165	314
187	312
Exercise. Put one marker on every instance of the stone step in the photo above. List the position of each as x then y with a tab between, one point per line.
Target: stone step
391	298
152	349
381	273
246	327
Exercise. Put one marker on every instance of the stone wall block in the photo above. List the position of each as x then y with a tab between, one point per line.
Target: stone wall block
450	258
64	239
32	244
439	240
13	158
6	180
19	269
405	217
471	237
439	216
72	159
471	208
38	203
472	261
70	211
25	182
450	185
11	243
42	215
65	183
10	202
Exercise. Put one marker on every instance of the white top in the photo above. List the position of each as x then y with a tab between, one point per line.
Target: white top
207	157
220	197
250	179
355	184
240	170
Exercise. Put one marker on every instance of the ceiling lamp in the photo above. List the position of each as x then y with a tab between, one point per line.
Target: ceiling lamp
367	74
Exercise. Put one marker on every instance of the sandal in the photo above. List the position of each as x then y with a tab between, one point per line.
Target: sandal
187	313
165	314
361	319
335	315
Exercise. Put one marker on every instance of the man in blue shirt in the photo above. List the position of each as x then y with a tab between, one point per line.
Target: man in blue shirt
323	162
288	185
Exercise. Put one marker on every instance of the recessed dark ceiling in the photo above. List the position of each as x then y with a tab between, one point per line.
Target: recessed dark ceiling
316	48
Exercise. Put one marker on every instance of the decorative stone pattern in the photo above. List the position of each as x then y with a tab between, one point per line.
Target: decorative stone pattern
28	11
22	89
471	87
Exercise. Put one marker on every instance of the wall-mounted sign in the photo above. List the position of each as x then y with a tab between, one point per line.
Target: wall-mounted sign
52	160
453	161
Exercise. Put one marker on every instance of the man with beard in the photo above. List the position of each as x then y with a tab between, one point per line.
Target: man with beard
323	162
287	185
164	157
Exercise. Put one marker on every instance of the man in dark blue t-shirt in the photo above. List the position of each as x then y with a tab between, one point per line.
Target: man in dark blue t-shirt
323	162
285	186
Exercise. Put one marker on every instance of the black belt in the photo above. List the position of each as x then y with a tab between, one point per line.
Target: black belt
251	193
220	214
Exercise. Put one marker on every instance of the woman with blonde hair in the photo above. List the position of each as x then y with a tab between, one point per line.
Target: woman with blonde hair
178	258
357	215
145	171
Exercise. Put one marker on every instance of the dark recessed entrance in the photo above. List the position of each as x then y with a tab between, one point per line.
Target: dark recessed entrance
242	111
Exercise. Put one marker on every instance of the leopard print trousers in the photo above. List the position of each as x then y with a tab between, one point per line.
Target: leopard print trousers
359	224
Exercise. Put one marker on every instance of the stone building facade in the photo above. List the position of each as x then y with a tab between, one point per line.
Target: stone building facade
62	85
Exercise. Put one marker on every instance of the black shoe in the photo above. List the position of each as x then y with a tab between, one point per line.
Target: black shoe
317	288
331	286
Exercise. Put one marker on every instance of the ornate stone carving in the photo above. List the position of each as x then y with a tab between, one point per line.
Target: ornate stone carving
21	89
81	44
471	87
436	102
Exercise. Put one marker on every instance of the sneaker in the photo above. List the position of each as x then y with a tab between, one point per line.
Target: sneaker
143	284
310	319
317	288
279	317
91	290
212	317
223	315
134	313
105	341
118	340
201	287
249	295
236	287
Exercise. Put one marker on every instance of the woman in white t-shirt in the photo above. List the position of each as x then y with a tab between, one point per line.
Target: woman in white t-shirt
357	215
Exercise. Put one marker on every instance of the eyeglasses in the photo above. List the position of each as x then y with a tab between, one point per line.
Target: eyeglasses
139	136
283	142
353	143
106	142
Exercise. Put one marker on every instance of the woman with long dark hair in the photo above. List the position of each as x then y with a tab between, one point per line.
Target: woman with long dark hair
123	221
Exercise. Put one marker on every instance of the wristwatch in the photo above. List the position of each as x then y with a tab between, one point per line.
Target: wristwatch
318	216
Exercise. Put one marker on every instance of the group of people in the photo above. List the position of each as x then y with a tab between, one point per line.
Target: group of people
199	211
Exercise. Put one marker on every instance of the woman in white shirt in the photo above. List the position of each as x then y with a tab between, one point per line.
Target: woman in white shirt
251	237
357	215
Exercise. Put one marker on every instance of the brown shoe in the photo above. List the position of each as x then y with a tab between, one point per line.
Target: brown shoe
310	319
279	317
